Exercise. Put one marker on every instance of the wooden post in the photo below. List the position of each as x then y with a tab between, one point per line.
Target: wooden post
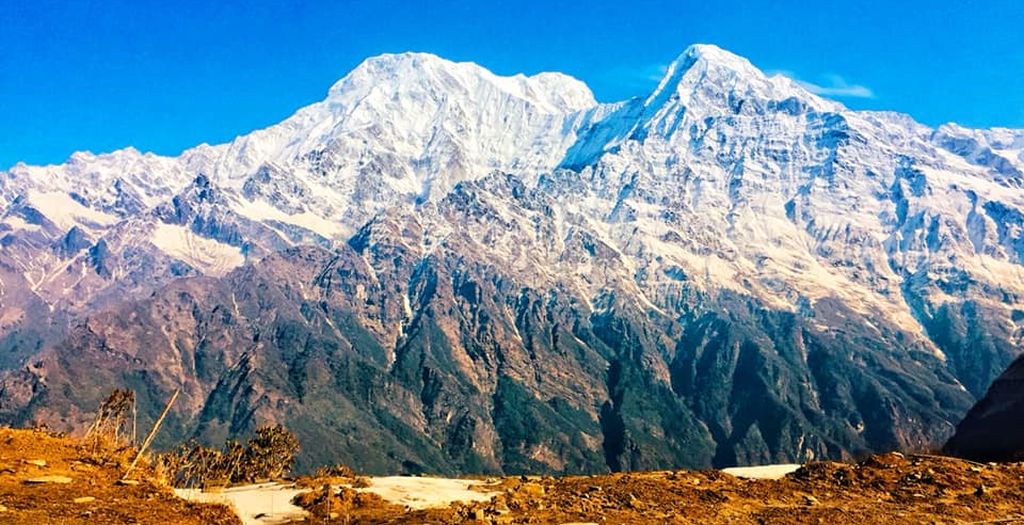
152	434
134	417
96	422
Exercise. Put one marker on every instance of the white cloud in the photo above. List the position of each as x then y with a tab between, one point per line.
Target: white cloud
655	72
835	86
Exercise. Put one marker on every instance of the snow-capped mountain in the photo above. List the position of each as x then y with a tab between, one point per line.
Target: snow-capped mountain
730	269
395	131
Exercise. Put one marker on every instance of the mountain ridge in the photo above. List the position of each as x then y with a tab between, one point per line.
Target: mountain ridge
730	270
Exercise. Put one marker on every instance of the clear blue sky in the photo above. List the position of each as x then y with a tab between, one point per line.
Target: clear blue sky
165	75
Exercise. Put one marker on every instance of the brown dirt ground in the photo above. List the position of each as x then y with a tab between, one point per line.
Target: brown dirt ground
884	489
94	473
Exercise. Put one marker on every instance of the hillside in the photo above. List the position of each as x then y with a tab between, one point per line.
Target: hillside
993	429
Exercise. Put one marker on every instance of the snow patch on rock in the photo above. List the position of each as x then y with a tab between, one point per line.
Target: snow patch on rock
206	255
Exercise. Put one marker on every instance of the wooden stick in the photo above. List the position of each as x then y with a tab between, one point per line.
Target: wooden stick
134	418
95	422
152	434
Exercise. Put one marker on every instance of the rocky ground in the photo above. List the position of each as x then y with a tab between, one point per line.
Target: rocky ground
888	489
46	478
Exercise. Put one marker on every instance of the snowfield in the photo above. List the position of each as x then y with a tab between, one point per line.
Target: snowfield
270	503
264	504
216	258
762	471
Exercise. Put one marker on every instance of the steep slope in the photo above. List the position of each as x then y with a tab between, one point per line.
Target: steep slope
440	269
776	193
992	430
475	355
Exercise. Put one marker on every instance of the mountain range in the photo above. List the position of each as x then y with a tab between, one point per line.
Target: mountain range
439	269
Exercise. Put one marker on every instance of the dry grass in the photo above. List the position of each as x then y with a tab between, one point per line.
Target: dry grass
94	468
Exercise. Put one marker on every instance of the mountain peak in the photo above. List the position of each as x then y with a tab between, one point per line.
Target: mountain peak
708	76
552	92
390	63
712	54
705	81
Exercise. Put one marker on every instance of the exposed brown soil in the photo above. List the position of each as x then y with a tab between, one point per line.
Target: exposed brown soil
31	454
884	489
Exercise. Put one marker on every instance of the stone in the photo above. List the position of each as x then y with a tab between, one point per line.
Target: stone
635	503
42	480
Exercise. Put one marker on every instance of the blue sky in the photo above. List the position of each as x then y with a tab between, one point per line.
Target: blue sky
162	76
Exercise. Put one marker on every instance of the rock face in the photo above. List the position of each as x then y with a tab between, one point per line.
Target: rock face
440	269
992	430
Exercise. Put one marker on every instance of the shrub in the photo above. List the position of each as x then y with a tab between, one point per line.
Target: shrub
269	454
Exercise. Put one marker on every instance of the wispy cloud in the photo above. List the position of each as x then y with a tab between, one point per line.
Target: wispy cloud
838	87
643	75
655	72
834	86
